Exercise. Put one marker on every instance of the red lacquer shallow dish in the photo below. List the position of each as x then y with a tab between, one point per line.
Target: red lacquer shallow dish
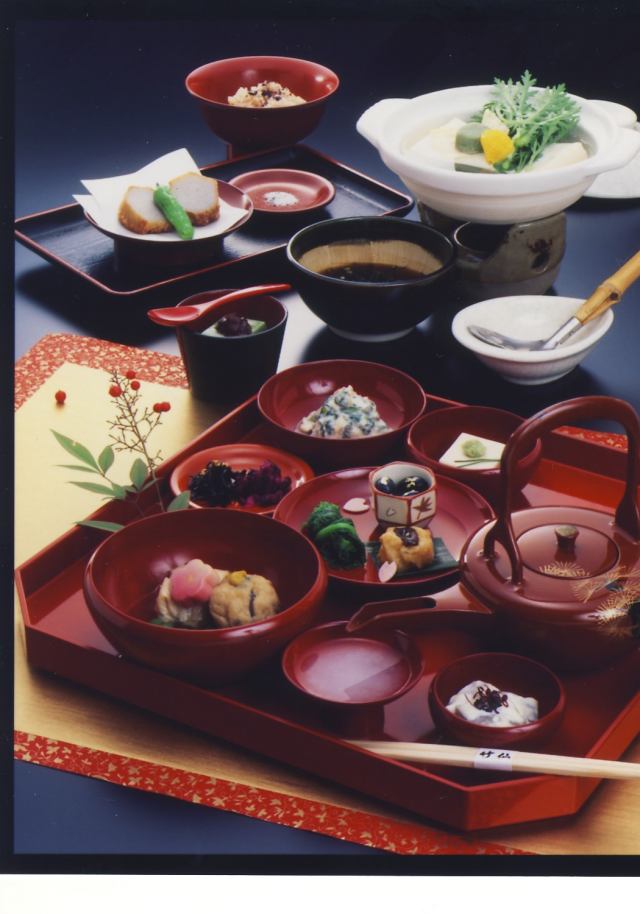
602	711
461	511
285	190
240	456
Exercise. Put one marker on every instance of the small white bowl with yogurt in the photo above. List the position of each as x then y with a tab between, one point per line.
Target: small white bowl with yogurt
397	127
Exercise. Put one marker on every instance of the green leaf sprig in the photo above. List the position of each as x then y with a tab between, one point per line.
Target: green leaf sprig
129	431
536	118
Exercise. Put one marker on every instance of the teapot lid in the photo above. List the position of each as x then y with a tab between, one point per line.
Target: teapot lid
561	565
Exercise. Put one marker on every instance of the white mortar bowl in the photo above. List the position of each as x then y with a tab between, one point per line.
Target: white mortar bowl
394	124
529	317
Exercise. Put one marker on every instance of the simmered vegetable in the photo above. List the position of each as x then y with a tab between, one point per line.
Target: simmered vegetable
335	536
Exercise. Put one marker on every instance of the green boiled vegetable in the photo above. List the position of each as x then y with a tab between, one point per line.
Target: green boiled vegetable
475	169
173	211
335	536
468	138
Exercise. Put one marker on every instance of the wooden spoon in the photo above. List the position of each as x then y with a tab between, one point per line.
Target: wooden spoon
198	317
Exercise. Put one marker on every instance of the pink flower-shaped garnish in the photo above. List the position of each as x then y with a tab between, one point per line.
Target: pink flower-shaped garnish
194	582
387	571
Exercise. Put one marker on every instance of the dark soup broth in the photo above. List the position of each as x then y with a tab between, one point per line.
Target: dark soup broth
372	272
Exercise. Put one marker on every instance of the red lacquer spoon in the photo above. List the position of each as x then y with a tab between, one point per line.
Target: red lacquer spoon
198	317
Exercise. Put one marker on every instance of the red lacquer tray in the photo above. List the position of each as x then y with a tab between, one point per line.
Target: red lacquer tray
265	714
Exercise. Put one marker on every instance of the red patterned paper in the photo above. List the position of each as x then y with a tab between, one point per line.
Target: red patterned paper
49	353
259	803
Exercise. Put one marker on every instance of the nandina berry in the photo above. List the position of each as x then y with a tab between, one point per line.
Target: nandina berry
115	390
60	396
157	407
135	385
130	374
165	406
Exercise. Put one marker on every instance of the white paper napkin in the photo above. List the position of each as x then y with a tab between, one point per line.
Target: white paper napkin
105	196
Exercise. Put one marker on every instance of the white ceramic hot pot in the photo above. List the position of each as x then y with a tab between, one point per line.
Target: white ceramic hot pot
394	124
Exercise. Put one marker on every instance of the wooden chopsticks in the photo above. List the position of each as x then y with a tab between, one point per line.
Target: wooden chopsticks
500	759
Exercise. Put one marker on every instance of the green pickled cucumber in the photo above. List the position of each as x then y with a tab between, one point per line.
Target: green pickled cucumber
468	138
173	212
476	169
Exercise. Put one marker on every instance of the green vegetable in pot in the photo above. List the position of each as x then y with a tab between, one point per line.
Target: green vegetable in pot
174	212
535	118
468	138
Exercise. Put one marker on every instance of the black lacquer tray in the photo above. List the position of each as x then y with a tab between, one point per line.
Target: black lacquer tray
64	237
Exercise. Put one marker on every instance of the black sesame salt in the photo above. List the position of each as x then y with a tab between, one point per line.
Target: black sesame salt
487	699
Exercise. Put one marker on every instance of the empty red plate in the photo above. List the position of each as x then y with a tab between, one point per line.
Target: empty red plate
328	664
284	190
461	511
240	457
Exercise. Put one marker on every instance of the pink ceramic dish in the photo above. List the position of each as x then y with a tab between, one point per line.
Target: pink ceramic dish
123	575
261	128
290	395
509	673
240	456
432	434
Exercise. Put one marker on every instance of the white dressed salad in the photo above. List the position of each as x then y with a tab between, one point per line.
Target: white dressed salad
344	414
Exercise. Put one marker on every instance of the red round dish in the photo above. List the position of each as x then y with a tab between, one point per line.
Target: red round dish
509	673
261	128
125	571
461	511
290	395
334	667
310	190
240	457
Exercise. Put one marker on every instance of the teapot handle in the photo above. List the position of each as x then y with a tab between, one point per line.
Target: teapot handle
627	515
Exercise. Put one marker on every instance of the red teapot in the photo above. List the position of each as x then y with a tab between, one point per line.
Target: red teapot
560	583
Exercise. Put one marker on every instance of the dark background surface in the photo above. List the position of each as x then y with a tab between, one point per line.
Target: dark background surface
97	97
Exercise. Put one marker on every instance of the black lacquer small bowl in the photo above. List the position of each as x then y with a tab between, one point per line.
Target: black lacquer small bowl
374	311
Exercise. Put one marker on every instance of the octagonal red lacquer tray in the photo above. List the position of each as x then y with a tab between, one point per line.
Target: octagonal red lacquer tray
266	714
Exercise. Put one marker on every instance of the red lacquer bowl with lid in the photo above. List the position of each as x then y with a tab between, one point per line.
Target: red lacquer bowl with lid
125	572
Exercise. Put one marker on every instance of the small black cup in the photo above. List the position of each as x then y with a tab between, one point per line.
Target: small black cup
230	369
